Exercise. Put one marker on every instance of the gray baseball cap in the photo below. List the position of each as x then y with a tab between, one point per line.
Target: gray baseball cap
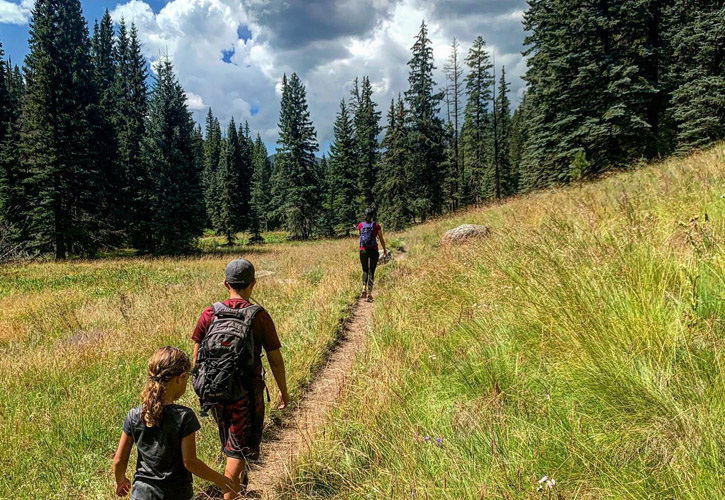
240	272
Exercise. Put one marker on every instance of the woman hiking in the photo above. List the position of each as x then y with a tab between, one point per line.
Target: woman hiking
370	231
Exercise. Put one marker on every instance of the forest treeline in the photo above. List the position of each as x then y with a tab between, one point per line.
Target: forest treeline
92	158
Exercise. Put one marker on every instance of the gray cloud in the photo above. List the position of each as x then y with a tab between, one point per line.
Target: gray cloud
445	11
294	24
326	43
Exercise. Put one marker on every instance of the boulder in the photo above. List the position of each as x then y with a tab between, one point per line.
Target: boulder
465	232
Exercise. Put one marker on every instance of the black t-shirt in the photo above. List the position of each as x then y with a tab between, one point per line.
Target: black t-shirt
160	472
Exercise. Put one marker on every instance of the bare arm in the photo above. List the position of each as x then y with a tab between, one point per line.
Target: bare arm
276	363
194	465
196	352
120	464
382	240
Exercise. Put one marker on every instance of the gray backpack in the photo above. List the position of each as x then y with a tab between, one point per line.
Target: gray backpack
224	366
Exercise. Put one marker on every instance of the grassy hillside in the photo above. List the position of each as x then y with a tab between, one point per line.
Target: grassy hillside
582	341
75	339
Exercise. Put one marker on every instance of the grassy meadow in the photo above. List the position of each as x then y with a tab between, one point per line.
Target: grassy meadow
582	341
75	339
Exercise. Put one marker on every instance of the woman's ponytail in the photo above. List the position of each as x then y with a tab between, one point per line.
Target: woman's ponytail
166	363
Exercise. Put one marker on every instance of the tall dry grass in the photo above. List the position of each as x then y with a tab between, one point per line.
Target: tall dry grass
75	339
583	341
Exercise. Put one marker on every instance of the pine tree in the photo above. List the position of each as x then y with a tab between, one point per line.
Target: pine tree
639	76
4	94
518	140
608	55
327	216
260	190
366	130
131	104
212	155
63	184
343	173
477	120
394	179
454	91
13	204
246	153
198	146
173	190
233	185
448	167
426	133
698	43
102	120
503	137
103	52
297	197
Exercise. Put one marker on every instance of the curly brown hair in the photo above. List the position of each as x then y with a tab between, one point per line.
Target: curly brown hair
166	363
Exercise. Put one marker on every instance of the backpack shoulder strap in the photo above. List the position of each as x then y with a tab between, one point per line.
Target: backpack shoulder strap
251	311
219	307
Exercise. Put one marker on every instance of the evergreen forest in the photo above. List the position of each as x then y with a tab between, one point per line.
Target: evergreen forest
94	157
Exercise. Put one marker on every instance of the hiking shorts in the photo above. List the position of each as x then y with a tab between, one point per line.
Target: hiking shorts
240	424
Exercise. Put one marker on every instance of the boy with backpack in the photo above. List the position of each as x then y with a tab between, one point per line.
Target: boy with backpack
228	373
370	232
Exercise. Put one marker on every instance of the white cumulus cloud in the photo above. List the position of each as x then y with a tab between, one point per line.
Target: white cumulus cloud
194	102
15	13
231	54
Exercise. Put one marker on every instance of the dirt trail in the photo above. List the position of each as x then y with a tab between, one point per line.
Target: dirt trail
299	428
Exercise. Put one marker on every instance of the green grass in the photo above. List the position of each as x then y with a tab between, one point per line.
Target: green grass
75	339
582	340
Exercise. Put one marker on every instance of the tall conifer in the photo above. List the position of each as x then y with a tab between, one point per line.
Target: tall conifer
131	103
366	120
173	190
503	137
212	155
104	134
246	153
297	195
260	190
425	129
64	180
233	185
393	182
477	119
454	92
343	172
13	203
698	42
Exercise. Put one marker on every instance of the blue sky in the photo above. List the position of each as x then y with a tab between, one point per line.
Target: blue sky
231	54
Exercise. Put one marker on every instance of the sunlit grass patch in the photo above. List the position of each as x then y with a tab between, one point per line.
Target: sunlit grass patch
75	338
573	353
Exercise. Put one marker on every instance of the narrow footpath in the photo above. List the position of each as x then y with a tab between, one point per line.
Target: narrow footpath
298	429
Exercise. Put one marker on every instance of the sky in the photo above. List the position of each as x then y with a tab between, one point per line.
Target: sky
230	55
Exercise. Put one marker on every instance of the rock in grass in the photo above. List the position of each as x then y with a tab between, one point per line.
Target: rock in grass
464	233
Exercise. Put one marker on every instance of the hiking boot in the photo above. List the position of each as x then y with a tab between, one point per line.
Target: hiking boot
364	294
370	297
